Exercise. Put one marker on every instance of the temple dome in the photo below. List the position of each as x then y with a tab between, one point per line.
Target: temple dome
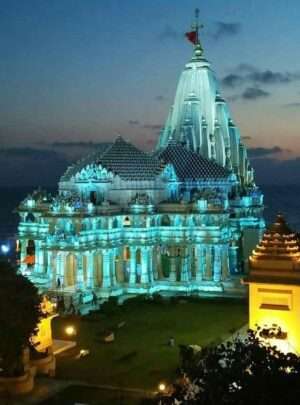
200	118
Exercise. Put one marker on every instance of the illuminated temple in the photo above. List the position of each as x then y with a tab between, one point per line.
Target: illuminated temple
274	284
183	218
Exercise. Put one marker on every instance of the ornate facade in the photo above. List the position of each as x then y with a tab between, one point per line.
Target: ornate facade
181	219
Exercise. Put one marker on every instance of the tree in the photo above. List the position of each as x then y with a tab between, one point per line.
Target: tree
245	371
19	315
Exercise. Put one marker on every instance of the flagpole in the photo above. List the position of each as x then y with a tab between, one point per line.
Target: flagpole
197	25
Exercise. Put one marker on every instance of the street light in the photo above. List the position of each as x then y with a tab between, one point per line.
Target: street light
70	330
4	249
162	387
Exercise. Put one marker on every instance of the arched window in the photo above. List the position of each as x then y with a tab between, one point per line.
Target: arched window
126	253
165	220
126	221
30	247
30	217
93	197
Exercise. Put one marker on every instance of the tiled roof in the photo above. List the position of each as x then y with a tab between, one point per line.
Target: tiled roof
80	164
190	165
129	162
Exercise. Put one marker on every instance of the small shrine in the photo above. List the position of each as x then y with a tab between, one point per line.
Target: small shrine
274	286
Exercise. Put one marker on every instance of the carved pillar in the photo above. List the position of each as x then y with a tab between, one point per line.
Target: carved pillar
79	282
23	254
113	266
201	262
233	259
152	269
217	264
209	262
173	269
48	263
185	262
144	265
90	270
132	273
106	283
225	262
39	257
158	264
53	264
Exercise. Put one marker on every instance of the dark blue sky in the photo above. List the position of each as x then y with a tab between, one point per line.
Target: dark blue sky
81	70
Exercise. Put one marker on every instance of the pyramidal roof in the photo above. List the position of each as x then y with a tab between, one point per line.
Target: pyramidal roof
89	159
276	258
129	162
190	165
122	158
200	118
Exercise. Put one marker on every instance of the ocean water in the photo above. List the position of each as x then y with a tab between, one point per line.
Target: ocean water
285	199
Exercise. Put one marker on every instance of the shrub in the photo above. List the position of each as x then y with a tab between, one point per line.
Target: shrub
19	315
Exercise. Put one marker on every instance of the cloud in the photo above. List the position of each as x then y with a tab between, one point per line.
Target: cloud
223	29
169	33
152	126
269	77
133	122
246	74
259	152
253	93
232	80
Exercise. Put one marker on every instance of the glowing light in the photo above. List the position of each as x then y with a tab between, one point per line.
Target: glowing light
4	249
162	387
70	330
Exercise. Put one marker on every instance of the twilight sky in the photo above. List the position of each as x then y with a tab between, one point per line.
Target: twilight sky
77	71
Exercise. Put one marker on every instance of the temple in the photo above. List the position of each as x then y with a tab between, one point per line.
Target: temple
274	285
182	219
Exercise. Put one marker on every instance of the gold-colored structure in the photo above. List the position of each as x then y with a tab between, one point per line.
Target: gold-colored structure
43	339
274	285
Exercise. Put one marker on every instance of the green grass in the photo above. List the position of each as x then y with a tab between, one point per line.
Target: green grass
140	357
78	394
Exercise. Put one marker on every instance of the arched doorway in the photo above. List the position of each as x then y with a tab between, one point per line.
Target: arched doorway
70	270
126	263
138	261
98	274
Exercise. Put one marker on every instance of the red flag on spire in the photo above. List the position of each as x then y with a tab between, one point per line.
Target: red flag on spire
192	36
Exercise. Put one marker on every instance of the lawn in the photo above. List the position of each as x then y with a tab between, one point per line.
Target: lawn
140	357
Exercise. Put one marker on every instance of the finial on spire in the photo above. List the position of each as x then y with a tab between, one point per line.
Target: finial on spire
198	26
193	36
